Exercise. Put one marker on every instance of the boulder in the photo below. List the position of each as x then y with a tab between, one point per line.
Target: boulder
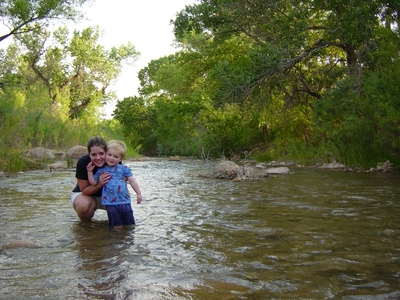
40	153
21	244
58	165
58	154
277	170
228	169
76	152
333	165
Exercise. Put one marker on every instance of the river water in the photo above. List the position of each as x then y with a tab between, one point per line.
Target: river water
313	234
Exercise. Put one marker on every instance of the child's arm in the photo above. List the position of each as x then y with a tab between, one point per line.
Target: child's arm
91	179
135	186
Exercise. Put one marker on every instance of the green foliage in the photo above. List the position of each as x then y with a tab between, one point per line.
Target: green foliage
313	74
52	92
12	160
292	76
176	126
231	130
365	128
309	81
43	130
22	16
76	72
138	123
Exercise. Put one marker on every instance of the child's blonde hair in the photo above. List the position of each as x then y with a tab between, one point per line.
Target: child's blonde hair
117	145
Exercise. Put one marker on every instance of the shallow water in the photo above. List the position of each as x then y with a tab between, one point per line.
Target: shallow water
314	234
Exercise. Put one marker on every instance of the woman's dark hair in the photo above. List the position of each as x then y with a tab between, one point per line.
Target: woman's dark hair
96	141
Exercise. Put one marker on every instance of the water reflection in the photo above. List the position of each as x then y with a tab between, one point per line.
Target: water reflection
103	262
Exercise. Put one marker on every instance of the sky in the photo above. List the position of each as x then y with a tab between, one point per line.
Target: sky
146	24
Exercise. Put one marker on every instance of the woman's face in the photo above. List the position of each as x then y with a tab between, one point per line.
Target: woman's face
97	156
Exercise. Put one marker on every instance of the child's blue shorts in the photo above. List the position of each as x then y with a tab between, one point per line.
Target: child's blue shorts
121	214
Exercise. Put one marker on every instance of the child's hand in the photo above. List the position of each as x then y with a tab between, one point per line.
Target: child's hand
139	199
90	167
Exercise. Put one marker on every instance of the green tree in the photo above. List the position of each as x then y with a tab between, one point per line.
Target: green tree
76	72
255	73
167	106
343	113
23	16
300	55
139	124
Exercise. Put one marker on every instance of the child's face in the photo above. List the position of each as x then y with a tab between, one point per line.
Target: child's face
113	157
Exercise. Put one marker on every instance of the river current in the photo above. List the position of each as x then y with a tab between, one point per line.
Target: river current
312	234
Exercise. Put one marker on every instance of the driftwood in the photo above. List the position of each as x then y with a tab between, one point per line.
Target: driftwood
385	167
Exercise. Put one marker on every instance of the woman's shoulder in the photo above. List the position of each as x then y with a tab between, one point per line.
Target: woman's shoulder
84	160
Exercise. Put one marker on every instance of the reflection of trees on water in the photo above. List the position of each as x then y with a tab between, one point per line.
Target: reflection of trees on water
102	255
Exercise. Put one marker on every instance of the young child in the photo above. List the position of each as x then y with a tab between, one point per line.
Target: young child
115	194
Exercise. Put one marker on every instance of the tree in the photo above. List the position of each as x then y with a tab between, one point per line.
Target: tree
265	72
23	16
167	95
139	124
76	71
339	31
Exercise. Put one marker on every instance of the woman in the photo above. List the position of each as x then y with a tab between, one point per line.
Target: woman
86	198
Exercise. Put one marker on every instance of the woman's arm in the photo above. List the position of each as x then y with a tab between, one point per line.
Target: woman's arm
88	189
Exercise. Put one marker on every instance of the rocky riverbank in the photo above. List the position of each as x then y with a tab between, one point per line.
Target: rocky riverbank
54	160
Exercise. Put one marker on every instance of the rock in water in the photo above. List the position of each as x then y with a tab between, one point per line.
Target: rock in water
21	244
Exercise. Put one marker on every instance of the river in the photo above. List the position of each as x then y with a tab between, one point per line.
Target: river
313	234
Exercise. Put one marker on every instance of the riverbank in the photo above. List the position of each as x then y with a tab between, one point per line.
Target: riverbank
238	170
